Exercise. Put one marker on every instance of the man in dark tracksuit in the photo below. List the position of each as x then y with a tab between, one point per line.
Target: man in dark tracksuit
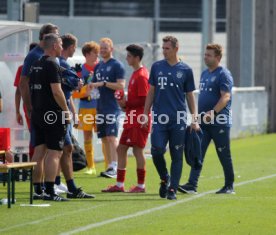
171	84
215	104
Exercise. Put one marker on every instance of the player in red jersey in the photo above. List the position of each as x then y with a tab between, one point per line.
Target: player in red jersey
134	135
19	118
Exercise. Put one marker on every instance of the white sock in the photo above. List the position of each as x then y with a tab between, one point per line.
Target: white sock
141	185
114	165
120	184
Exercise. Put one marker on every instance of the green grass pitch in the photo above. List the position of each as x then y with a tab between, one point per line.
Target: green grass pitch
252	210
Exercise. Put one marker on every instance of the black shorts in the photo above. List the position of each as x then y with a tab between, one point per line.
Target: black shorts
53	136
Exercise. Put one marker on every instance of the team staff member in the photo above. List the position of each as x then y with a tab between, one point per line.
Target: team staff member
108	77
48	105
32	57
170	79
215	100
133	134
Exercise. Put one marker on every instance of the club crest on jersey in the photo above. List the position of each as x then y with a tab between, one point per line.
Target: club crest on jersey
108	68
213	78
179	74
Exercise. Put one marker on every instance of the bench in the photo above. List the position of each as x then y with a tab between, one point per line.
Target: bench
9	169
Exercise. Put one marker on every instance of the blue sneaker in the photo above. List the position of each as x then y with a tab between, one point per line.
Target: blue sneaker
226	190
187	188
171	194
79	193
164	186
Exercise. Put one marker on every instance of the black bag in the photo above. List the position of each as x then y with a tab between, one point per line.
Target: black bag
78	155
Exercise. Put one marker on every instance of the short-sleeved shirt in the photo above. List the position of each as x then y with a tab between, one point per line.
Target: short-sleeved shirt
211	84
138	87
171	83
85	72
17	76
32	57
109	71
43	73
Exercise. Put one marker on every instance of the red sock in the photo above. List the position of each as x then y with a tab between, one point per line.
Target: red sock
141	174
31	151
121	174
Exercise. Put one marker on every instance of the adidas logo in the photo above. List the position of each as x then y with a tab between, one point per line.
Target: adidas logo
177	147
128	140
220	149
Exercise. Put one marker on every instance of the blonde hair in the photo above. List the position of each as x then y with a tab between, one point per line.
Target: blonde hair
90	46
107	41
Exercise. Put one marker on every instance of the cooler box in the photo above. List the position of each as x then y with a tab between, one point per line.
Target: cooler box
5	139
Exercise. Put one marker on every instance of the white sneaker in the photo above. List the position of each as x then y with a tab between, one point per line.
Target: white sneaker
61	188
110	173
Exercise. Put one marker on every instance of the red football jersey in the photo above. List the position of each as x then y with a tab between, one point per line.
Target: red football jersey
138	87
17	76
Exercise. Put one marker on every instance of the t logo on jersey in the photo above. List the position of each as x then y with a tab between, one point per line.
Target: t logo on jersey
162	81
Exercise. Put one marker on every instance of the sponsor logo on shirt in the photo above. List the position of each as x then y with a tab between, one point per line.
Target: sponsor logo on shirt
36	68
37	87
162	81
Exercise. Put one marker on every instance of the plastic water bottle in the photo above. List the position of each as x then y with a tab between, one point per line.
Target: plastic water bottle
4	201
95	94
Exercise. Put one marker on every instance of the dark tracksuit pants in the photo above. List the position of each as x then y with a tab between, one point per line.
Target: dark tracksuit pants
174	134
221	137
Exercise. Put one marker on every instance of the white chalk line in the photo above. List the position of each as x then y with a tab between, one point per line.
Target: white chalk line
48	218
144	212
140	213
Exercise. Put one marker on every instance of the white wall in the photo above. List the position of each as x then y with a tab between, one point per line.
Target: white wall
120	30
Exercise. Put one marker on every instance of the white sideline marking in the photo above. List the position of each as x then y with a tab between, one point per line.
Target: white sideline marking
47	218
144	212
